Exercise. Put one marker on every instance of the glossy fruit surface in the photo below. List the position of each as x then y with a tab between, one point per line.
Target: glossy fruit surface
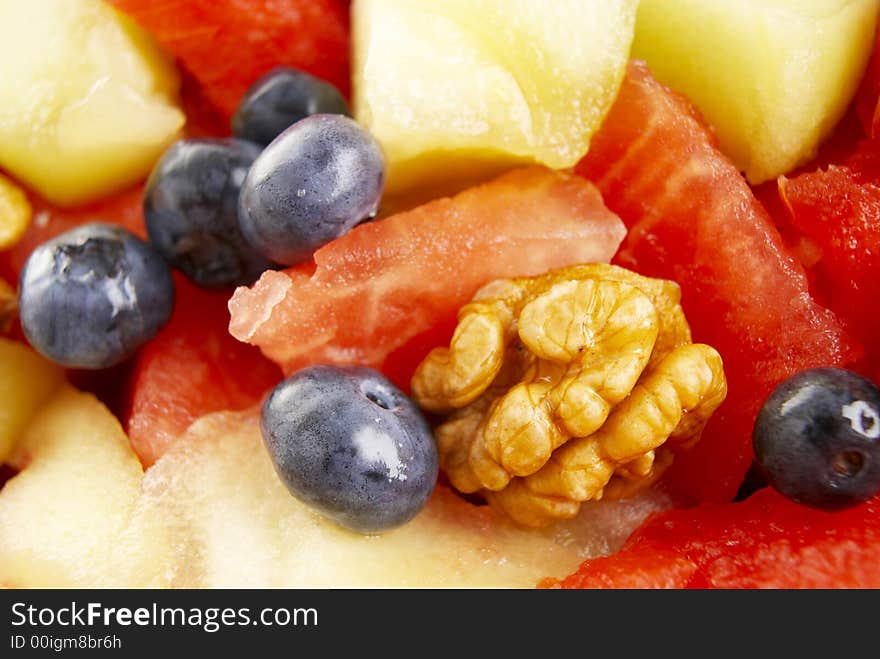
349	443
389	282
87	99
208	37
279	99
315	182
766	541
693	219
49	220
90	297
835	209
213	513
63	516
817	438
191	211
191	368
206	492
453	103
760	81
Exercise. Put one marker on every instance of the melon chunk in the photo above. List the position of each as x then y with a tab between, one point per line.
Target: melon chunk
68	519
773	77
233	524
87	101
213	513
461	89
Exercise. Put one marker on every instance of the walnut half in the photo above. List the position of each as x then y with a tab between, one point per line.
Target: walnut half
567	387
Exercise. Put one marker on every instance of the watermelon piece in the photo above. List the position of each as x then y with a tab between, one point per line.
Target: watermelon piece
124	209
387	284
837	209
693	218
227	44
766	541
193	367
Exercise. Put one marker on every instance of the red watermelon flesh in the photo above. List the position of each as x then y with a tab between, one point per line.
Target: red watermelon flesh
192	367
384	288
203	119
48	221
766	541
838	210
227	44
693	218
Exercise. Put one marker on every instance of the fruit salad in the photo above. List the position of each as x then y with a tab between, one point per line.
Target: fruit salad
480	293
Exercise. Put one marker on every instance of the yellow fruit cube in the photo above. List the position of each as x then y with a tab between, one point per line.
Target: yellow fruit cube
773	77
87	101
65	518
457	90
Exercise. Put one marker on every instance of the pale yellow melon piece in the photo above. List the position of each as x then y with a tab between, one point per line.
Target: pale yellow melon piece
27	380
457	90
772	77
87	101
213	513
237	526
68	518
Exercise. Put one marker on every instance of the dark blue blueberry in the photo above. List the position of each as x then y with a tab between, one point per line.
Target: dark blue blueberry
281	98
191	210
93	295
817	438
348	442
320	178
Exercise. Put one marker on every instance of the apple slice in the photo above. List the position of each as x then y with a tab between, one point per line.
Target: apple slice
87	101
773	77
456	91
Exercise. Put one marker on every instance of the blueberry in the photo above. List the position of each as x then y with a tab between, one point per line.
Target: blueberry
317	180
349	443
817	438
91	296
281	98
191	210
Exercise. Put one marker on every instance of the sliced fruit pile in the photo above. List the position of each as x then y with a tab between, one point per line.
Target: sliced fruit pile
208	38
692	218
192	367
211	513
379	287
358	235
